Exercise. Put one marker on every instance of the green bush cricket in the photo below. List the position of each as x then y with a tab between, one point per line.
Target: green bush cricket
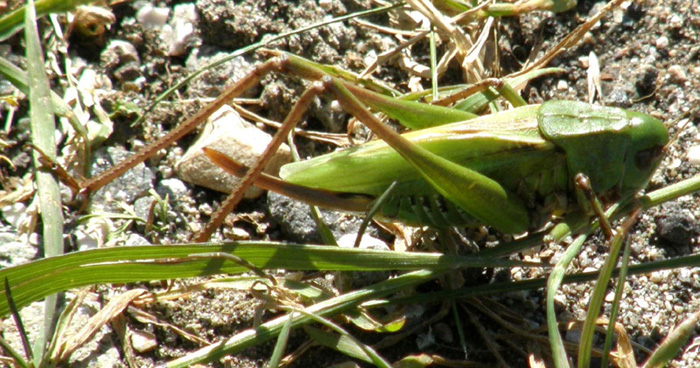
511	170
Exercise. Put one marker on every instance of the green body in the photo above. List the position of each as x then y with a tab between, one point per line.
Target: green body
525	158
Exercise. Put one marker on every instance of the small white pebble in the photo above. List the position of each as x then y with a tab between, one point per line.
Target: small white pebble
661	42
143	341
237	233
642	304
677	74
167	172
583	62
367	242
85	241
609	297
675	22
562	85
152	17
335	106
325	4
656	277
694	155
14	213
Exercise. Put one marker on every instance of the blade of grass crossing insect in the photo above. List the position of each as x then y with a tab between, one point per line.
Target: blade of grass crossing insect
511	95
375	207
323	230
553	284
43	128
616	305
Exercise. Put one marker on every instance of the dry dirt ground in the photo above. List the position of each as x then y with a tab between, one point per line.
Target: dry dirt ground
649	55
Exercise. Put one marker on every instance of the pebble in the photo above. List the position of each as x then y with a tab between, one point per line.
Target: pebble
86	241
677	74
325	4
151	17
143	341
180	31
694	155
562	85
226	132
367	242
642	304
676	227
174	187
609	297
675	22
14	213
661	42
583	62
136	240
236	233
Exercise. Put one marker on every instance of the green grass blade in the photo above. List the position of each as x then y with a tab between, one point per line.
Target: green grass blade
281	344
553	283
32	281
673	343
671	192
534	284
43	127
20	326
621	278
598	295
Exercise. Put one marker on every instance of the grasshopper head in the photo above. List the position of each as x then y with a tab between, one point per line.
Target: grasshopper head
619	150
648	138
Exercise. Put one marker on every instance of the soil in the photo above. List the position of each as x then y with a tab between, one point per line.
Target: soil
649	58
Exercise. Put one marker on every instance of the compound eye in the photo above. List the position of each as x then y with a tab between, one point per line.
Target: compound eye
645	158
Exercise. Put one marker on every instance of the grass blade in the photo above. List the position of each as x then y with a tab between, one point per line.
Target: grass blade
43	127
32	281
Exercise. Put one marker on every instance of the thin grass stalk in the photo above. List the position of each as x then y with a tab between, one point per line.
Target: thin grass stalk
553	283
43	127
